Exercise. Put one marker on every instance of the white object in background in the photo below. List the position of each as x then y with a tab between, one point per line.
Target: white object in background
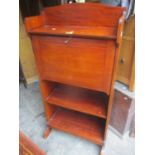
80	1
125	3
111	2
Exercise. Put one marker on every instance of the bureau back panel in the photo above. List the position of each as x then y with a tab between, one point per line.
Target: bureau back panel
84	14
80	62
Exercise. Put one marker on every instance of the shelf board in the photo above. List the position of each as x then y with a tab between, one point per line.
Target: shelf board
79	124
77	31
79	99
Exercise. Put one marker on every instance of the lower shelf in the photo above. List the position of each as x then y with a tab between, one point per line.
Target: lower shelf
86	126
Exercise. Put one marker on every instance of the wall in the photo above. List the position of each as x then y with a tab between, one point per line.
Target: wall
26	54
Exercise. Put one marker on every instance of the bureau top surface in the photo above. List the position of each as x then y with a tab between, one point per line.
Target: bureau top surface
84	20
76	31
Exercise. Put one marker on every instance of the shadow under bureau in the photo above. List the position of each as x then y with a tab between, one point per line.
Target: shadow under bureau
76	47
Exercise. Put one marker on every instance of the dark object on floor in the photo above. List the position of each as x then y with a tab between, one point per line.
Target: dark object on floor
122	115
27	147
132	129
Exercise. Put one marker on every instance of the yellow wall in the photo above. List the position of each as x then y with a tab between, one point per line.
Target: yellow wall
26	54
125	71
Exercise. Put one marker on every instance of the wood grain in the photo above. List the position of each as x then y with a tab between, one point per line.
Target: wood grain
46	87
93	65
77	45
34	22
118	45
76	31
79	99
27	147
86	126
83	14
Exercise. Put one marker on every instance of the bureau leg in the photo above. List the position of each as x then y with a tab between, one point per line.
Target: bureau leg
47	132
102	150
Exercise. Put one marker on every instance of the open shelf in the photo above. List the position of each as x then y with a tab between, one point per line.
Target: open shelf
88	127
79	99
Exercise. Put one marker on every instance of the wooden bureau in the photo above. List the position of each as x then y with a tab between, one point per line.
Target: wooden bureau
76	47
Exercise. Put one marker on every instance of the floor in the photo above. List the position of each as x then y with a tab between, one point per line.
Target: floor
33	123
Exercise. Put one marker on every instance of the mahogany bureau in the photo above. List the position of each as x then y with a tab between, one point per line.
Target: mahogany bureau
76	47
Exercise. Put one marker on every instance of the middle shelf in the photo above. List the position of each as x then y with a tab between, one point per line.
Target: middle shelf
79	99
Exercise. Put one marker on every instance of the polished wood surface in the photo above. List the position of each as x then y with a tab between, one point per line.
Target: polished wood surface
46	87
47	132
76	47
34	22
79	99
93	65
118	45
77	31
86	126
27	147
83	14
90	17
